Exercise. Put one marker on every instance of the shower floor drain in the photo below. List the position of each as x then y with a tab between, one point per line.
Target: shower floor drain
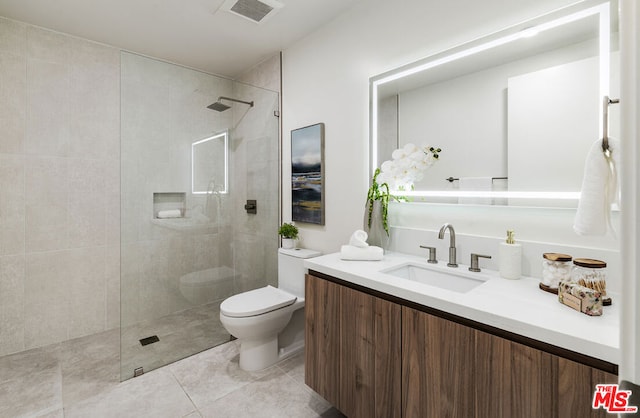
149	340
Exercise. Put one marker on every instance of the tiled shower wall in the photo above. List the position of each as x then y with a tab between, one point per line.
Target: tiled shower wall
59	187
163	111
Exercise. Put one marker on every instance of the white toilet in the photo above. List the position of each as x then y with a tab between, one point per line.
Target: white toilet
259	317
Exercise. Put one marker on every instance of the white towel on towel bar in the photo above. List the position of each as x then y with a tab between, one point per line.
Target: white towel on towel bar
599	190
475	184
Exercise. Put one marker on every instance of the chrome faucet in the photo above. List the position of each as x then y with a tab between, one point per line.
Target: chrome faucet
452	243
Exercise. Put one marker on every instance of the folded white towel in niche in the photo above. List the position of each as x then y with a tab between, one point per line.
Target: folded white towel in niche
475	184
359	239
599	190
370	253
172	213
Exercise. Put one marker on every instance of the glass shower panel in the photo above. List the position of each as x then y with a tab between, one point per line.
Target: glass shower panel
183	248
255	175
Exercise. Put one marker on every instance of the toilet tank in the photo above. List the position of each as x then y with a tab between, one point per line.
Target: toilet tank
291	269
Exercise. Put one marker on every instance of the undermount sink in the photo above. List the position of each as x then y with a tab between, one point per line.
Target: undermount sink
457	280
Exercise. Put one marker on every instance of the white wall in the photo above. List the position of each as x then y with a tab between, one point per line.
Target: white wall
630	107
325	79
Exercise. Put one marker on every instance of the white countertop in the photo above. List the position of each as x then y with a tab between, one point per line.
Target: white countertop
517	306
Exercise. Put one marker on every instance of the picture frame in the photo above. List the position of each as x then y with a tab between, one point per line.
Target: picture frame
307	174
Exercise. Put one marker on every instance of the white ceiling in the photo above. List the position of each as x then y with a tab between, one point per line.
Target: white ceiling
189	32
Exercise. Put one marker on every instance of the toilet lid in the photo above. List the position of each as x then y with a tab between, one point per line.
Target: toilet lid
256	302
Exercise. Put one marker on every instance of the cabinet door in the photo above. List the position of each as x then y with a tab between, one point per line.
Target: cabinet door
370	356
357	353
352	349
513	380
516	380
322	338
388	361
437	367
576	386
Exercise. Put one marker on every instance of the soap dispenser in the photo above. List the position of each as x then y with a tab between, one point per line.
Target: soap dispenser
510	258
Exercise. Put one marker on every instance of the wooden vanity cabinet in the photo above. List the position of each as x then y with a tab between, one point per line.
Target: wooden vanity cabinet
352	349
449	369
372	357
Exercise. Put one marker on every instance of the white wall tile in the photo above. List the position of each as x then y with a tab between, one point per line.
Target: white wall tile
46	196
86	291
12	274
50	46
60	181
94	111
112	202
45	298
13	102
86	203
13	37
265	75
12	201
112	277
47	129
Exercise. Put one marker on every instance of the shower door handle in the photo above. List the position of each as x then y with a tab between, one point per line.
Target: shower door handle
251	206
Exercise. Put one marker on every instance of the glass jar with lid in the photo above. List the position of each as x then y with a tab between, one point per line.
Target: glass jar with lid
591	273
556	267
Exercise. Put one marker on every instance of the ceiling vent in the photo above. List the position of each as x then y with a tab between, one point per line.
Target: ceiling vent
257	11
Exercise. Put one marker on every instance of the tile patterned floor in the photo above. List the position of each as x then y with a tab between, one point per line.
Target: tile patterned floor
80	378
181	334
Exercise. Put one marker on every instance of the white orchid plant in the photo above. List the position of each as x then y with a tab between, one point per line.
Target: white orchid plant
407	166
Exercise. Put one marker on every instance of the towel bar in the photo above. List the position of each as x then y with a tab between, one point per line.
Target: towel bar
606	101
452	179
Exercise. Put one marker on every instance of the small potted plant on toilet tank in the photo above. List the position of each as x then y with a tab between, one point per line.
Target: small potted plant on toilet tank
289	234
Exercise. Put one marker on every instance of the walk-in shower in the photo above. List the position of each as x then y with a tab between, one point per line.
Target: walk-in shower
221	107
94	285
177	270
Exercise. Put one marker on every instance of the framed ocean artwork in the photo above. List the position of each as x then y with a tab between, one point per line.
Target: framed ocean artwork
307	174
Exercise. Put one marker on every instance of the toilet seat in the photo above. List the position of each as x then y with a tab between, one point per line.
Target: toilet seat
256	302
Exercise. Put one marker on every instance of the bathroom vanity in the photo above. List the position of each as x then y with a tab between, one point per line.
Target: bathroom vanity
382	346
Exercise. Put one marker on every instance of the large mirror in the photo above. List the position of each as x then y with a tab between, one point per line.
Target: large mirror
515	113
209	164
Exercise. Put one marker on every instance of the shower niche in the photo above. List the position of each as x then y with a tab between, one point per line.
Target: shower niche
169	203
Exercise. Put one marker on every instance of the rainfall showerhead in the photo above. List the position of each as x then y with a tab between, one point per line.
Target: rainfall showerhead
221	107
218	107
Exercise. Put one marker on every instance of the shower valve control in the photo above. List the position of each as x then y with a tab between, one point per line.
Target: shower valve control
251	206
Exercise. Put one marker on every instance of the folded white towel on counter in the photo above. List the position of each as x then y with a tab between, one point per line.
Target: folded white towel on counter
359	239
370	253
599	190
475	184
172	213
